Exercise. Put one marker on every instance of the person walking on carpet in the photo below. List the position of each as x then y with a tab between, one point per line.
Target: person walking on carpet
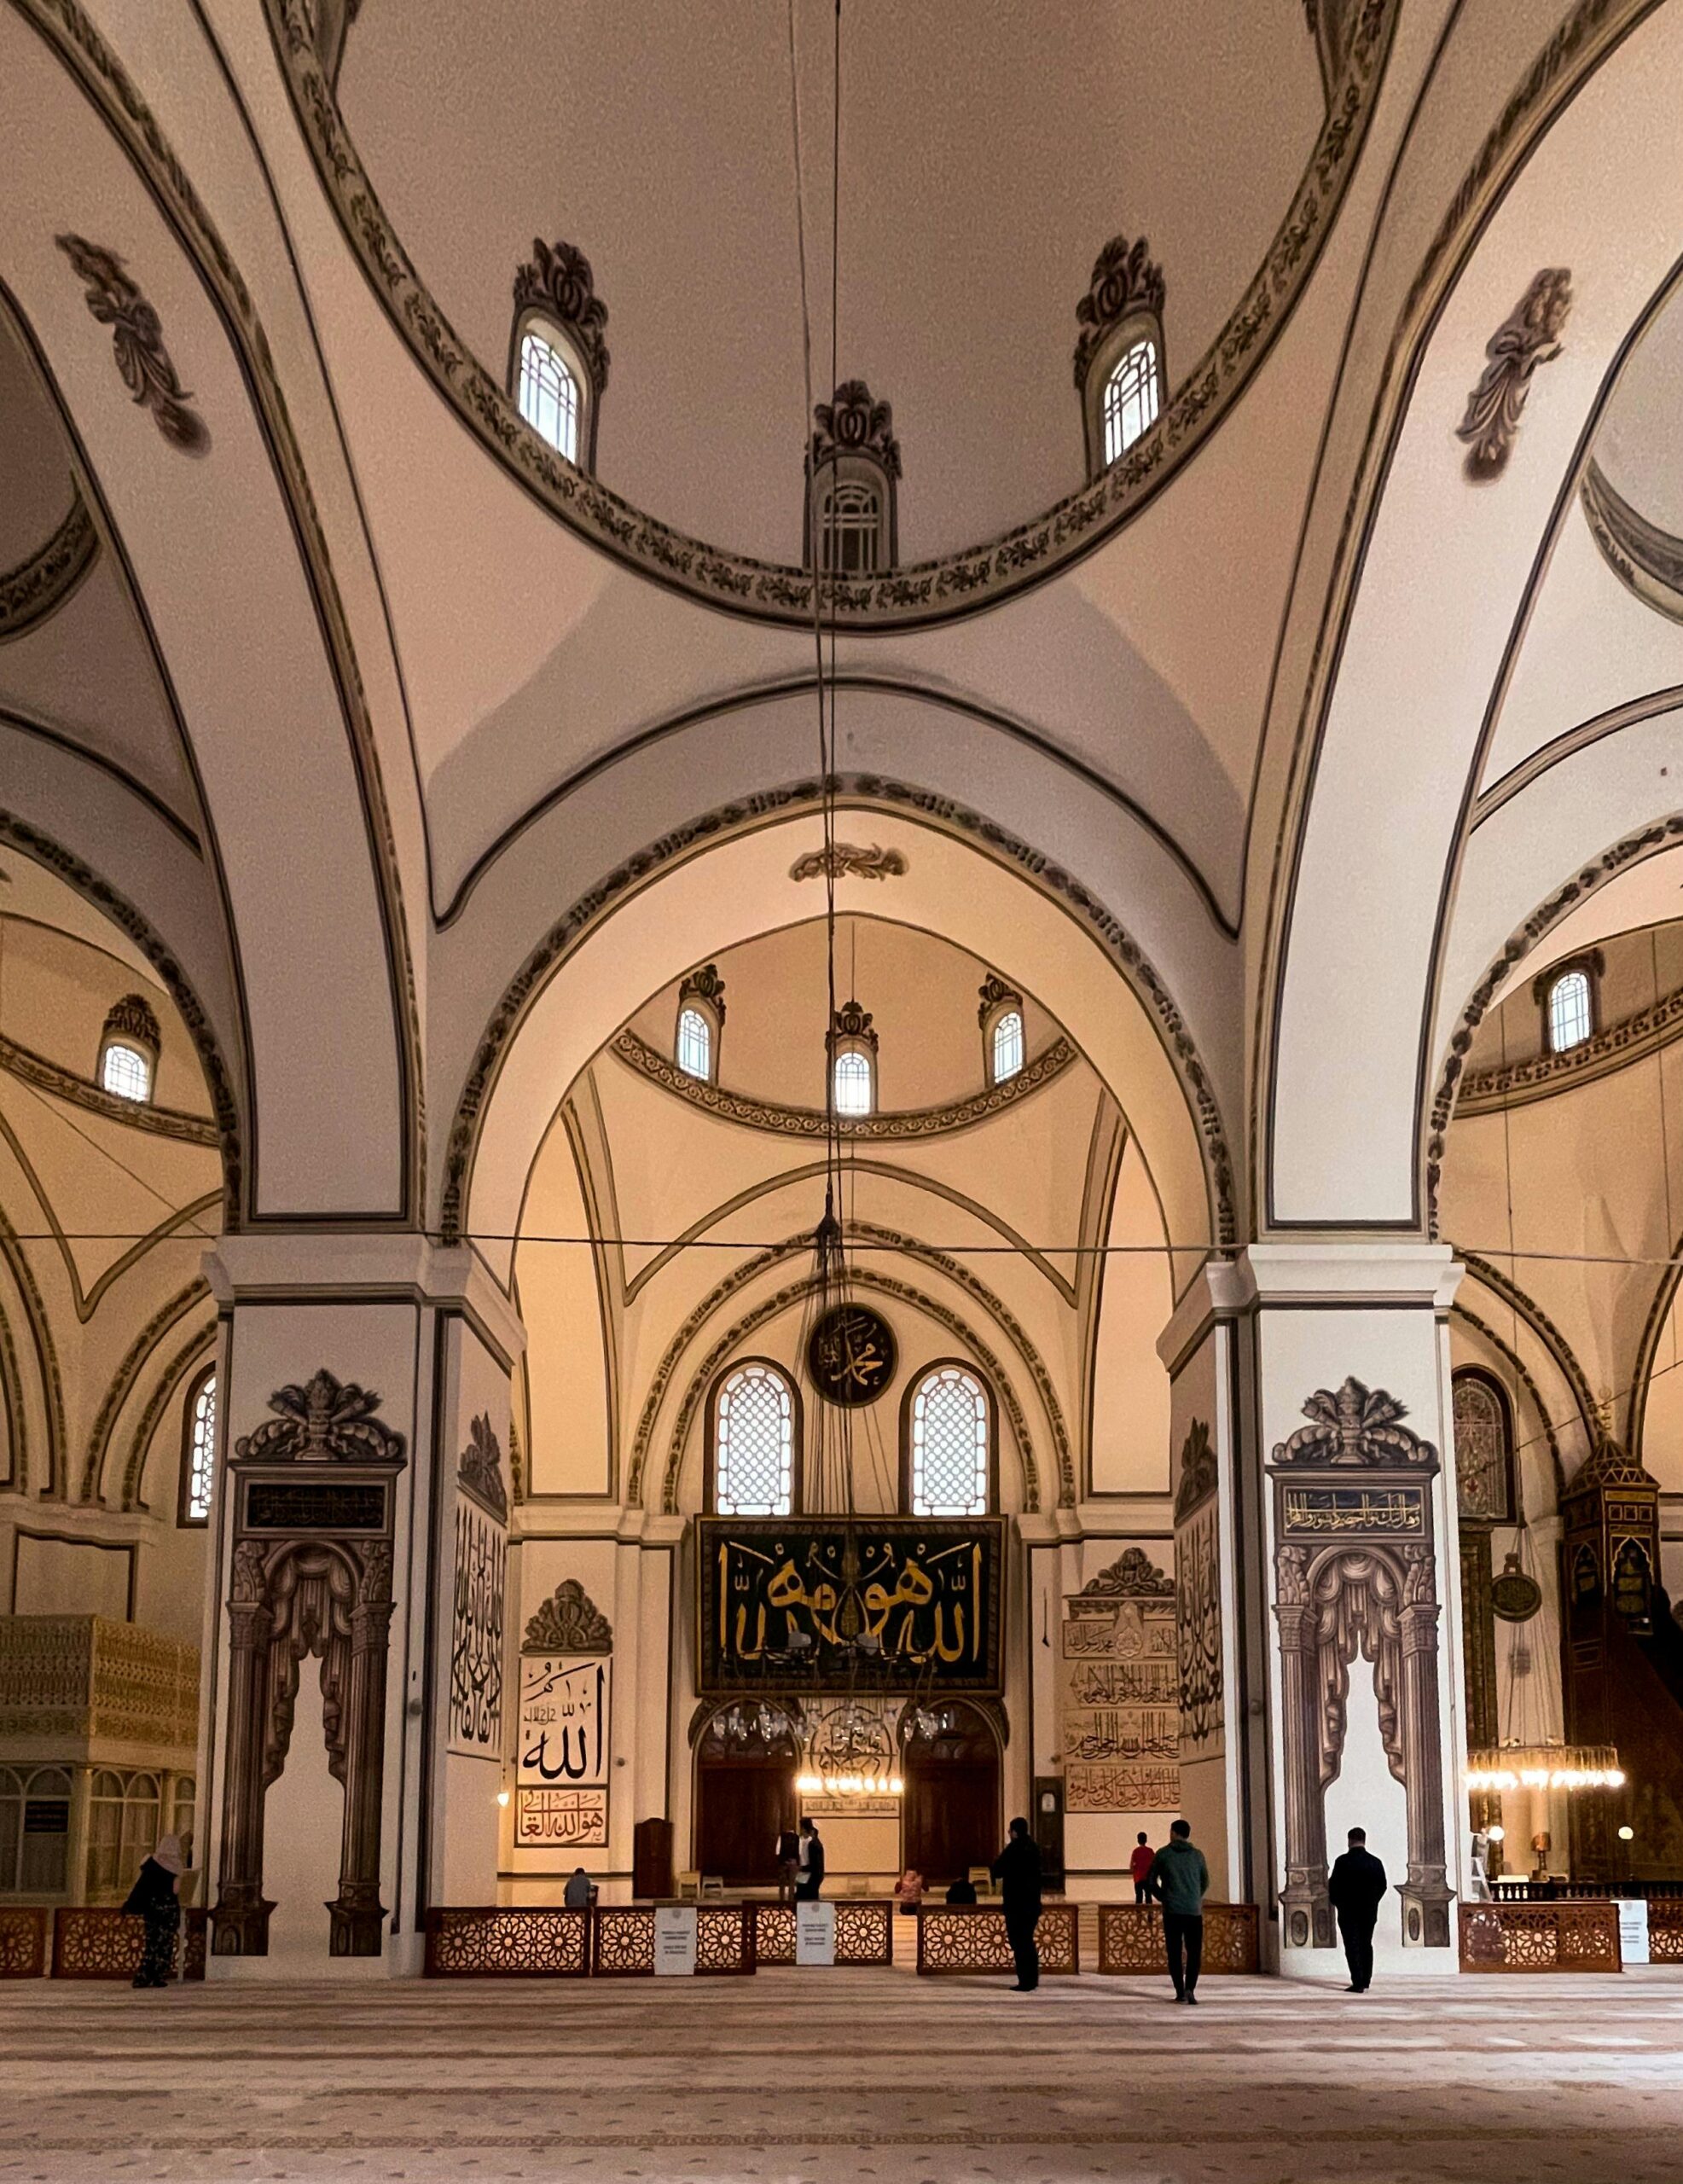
1179	1880
1356	1887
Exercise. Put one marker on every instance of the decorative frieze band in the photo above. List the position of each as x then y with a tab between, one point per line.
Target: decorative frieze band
31	1068
1483	1090
40	585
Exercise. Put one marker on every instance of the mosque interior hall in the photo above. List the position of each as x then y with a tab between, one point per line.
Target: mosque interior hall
841	1089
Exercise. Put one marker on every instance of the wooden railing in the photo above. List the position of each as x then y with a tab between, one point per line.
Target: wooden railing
489	1942
83	1942
971	1937
622	1941
1130	1938
25	1937
864	1930
1558	1937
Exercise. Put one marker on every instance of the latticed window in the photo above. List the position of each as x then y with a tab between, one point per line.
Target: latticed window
1131	398
124	1071
199	1459
754	1443
851	529
949	1444
548	394
1007	1045
852	1076
1568	1011
1484	1450
34	1831
695	1044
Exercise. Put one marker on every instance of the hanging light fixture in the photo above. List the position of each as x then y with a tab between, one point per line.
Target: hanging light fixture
1546	1765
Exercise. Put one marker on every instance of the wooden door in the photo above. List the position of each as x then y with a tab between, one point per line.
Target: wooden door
951	1807
744	1805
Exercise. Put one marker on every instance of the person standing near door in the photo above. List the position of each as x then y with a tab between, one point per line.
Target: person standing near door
1180	1881
788	1864
1356	1888
1140	1867
1016	1870
811	1856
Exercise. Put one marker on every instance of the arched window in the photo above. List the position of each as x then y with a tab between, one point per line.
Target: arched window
557	362
1132	397
852	481
198	1451
1007	1045
753	1466
1484	1448
948	1445
123	1823
548	394
701	1022
695	1044
34	1831
1568	1011
849	530
852	1048
128	1048
853	1087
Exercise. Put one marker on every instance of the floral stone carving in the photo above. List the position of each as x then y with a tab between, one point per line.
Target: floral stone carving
137	338
558	282
1356	1425
569	1622
1527	337
480	1466
1125	279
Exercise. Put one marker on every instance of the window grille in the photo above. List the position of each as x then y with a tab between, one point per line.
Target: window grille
548	395
1484	1450
949	1444
850	530
852	1076
754	1443
695	1044
1569	1013
1131	398
196	1501
1007	1045
34	1831
124	1071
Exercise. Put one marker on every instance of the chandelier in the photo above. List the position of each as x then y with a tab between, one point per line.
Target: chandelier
1546	1765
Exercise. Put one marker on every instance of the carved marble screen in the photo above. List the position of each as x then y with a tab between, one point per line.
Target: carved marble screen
1119	1682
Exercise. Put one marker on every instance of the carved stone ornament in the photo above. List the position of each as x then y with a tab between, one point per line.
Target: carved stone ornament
326	1420
996	994
132	1019
569	1622
1355	1425
1124	280
1132	1575
137	338
844	861
480	1466
1198	1471
852	1023
1527	337
854	424
558	282
705	985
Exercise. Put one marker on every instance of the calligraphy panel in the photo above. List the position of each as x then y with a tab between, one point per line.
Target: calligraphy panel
920	1596
476	1647
1198	1608
562	1755
1121	1703
1389	1512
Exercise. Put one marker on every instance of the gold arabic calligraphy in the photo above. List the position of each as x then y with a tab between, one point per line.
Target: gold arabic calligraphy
920	1618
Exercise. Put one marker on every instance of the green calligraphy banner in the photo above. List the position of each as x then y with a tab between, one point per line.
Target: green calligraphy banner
901	1601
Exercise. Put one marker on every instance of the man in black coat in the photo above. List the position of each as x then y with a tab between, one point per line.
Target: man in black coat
1356	1888
1016	1870
809	1851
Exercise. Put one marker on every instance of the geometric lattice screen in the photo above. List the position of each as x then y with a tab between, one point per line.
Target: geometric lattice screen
949	1445
753	1443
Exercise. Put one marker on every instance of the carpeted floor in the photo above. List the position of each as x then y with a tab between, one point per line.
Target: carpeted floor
869	2074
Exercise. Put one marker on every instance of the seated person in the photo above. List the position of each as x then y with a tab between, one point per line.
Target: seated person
962	1891
580	1892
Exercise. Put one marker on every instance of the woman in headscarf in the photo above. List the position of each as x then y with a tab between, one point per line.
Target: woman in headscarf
154	1897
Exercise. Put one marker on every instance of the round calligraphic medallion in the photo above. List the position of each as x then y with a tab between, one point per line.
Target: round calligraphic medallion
851	1355
1515	1597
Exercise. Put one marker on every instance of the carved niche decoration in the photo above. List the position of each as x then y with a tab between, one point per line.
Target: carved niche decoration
705	985
850	1026
1197	1597
1125	280
311	1578
854	424
845	861
1529	336
1119	1690
569	1622
1356	1578
132	1019
480	1596
1132	1575
558	282
137	338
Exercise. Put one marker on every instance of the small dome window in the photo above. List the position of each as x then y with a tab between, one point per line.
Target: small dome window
852	1046
1119	367
700	1024
1132	398
1001	1016
852	475
128	1050
548	394
1567	994
559	361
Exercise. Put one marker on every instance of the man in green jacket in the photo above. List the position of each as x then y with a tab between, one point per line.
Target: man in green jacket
1179	1880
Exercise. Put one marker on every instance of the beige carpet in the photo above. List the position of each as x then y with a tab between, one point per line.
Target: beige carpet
870	2075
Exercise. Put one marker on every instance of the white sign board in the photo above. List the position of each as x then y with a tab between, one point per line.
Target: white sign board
815	1933
561	1759
675	1939
1633	1929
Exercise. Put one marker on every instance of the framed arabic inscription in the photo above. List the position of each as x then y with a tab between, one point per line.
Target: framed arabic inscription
814	1601
561	1760
851	1355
